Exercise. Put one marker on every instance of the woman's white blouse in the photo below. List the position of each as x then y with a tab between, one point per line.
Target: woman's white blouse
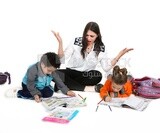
75	60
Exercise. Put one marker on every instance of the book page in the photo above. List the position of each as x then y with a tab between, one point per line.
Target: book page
132	101
136	103
117	102
68	102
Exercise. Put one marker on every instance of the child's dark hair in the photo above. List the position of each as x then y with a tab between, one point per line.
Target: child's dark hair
51	59
119	75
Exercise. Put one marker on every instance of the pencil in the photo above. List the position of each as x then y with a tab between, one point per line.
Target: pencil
80	96
100	101
97	108
84	99
109	107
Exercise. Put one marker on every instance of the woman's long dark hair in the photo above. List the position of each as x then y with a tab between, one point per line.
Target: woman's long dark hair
93	26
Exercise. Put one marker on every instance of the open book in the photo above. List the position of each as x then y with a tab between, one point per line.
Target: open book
132	101
62	101
61	115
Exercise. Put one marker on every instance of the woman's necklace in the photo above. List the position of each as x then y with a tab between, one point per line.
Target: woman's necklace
89	48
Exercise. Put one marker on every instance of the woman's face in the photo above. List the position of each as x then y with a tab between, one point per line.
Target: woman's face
116	87
91	37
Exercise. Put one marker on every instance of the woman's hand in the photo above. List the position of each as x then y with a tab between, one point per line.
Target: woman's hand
60	47
58	37
121	53
125	50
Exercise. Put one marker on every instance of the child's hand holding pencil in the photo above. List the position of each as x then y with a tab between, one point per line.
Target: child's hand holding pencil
99	103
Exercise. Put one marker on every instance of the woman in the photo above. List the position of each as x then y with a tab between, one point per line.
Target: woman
84	54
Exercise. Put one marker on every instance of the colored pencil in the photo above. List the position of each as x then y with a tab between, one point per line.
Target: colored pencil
80	96
109	107
84	99
100	101
97	108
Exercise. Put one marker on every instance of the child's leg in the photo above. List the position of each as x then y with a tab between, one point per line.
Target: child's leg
46	92
24	93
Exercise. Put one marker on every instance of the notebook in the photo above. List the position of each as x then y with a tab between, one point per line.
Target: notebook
61	115
132	101
63	101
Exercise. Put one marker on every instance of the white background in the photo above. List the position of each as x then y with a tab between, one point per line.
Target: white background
25	31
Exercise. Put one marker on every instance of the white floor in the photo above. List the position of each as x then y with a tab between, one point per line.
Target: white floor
18	115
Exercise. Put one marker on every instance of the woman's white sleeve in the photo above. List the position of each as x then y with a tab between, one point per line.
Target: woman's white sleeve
106	63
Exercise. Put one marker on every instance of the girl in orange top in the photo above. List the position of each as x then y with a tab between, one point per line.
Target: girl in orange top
117	86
